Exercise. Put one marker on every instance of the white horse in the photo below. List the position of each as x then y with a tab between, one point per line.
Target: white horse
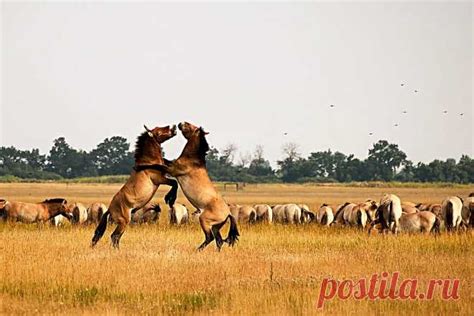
79	213
264	213
451	210
287	213
388	213
178	214
59	220
325	215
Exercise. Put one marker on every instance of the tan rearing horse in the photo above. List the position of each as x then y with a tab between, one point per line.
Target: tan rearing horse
190	171
141	185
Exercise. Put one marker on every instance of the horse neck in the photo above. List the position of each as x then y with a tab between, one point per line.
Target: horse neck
191	149
152	154
53	209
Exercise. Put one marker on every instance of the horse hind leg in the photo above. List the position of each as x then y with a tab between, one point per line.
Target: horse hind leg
118	232
217	234
209	237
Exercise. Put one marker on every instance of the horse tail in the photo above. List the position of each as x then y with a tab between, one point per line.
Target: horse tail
359	218
253	217
324	219
100	230
233	236
449	216
436	226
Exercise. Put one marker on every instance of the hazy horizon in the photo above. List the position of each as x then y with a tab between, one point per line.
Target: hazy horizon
247	72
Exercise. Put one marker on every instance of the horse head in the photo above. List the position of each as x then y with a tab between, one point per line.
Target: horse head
161	134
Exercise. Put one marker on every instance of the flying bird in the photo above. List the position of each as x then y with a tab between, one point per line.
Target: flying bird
416	91
402	84
285	134
461	114
445	111
332	105
404	112
396	124
371	133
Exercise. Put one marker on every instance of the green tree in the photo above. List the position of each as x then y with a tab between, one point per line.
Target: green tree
384	159
112	156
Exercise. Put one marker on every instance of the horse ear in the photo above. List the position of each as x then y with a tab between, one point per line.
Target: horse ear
202	130
148	130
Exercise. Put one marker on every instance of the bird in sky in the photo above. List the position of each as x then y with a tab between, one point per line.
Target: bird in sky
396	124
371	133
285	134
416	91
331	106
402	84
404	112
445	111
461	114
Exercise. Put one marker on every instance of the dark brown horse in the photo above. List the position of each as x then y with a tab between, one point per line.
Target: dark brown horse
191	172
142	184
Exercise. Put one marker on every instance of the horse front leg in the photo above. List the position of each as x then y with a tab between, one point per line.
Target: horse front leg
171	196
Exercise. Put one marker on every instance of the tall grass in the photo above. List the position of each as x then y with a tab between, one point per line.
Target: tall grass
274	269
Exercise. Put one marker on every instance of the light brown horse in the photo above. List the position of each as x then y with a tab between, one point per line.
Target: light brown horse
141	185
35	212
191	172
148	214
95	212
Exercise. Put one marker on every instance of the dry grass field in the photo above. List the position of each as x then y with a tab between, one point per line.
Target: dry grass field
274	269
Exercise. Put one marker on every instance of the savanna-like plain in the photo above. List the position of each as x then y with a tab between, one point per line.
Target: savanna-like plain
274	269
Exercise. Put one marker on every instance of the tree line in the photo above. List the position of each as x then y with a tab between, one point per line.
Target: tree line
385	162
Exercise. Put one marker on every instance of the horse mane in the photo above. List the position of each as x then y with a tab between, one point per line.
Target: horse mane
143	148
55	200
203	145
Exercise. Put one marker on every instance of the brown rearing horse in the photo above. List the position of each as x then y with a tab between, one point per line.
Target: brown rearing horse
35	212
141	185
190	171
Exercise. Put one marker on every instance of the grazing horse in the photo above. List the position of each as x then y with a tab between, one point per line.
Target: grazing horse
59	220
79	213
191	172
409	209
245	213
388	214
325	216
264	213
150	213
95	212
433	208
306	215
141	185
178	214
468	211
36	212
287	213
424	222
340	211
451	209
357	216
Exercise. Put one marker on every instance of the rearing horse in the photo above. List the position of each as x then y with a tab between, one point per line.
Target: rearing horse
190	171
142	183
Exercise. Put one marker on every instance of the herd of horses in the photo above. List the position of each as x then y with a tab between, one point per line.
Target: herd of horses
132	203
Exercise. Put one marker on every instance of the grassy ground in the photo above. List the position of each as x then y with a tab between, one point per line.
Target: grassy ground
273	270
